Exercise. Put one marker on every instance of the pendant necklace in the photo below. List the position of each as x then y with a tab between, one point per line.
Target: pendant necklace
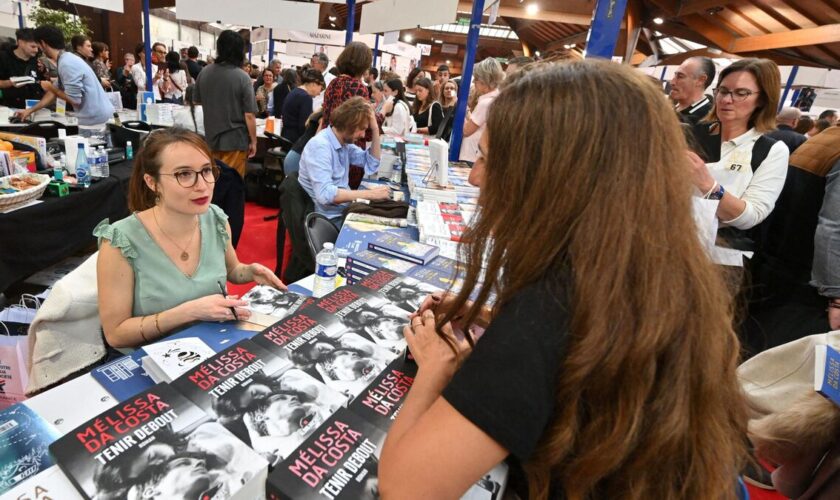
185	256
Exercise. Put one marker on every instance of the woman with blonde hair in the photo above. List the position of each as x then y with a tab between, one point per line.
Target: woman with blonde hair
589	377
487	77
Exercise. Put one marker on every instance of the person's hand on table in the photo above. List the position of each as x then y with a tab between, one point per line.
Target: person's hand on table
23	114
217	308
378	193
700	175
265	276
435	355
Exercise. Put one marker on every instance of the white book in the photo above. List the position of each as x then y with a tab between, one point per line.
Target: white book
72	403
51	483
169	359
17	81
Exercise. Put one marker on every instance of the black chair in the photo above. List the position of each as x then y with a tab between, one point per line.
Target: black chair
319	230
137	125
46	129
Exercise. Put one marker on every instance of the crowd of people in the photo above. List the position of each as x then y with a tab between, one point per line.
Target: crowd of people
585	235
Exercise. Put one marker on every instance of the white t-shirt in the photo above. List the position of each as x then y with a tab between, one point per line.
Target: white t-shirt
179	79
138	74
469	145
400	121
758	190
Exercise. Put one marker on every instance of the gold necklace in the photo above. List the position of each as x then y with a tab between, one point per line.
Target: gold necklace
185	256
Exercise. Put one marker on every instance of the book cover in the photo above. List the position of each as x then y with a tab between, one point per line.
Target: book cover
268	304
260	398
403	248
72	403
367	314
491	486
371	261
24	445
827	373
169	359
319	344
381	402
339	461
446	265
354	236
124	377
158	445
402	291
47	485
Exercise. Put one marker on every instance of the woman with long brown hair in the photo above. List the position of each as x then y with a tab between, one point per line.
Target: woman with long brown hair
607	368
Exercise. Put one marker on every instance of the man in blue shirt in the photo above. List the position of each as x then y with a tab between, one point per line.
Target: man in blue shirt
326	159
77	83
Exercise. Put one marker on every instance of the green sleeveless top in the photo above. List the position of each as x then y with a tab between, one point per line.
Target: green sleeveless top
159	284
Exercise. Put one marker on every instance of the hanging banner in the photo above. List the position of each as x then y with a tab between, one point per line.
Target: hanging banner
391	15
391	37
112	5
282	14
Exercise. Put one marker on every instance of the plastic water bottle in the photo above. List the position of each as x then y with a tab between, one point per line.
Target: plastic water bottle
104	167
82	167
129	151
326	267
93	163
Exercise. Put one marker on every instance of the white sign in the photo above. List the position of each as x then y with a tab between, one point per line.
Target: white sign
390	15
425	49
112	5
449	48
259	35
391	37
281	14
402	49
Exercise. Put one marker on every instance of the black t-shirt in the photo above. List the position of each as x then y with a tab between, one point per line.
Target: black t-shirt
296	109
11	65
507	385
193	68
697	111
280	92
430	118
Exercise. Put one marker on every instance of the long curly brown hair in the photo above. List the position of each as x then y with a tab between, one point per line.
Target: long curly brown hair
586	172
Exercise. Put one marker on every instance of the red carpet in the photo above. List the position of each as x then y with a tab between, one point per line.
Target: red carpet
759	494
257	243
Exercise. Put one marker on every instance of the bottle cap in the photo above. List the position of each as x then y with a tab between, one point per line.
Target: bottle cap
128	143
328	246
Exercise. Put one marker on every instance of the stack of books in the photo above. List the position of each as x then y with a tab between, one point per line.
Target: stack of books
393	252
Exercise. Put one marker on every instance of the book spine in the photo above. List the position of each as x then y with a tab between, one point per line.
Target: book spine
393	253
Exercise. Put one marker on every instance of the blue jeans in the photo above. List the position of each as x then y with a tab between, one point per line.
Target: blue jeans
291	163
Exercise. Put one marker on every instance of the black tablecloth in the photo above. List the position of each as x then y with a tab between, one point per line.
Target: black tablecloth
41	235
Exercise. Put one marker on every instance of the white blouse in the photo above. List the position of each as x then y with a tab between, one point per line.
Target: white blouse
400	122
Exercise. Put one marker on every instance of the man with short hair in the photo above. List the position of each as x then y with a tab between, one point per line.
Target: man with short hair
321	61
515	64
229	105
372	76
326	159
77	83
193	66
688	87
830	115
786	122
22	60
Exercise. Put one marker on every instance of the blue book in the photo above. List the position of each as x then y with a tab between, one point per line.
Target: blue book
367	261
24	445
827	373
403	248
354	236
447	265
124	377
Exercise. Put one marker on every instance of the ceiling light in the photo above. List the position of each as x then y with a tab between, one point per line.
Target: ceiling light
658	20
408	38
438	41
537	53
448	62
532	9
333	18
332	24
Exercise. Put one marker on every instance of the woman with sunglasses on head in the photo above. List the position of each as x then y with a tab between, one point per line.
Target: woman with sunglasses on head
746	100
163	266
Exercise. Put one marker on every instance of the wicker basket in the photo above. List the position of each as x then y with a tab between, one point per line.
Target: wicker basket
32	193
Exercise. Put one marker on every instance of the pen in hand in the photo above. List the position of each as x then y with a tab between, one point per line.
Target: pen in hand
224	294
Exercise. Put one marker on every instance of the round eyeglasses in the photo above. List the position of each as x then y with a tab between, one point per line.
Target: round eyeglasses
189	178
737	95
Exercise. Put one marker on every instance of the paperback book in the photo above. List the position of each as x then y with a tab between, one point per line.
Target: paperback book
339	461
24	445
124	377
267	304
159	445
320	345
402	291
368	261
827	373
367	314
381	402
354	236
403	248
50	484
260	398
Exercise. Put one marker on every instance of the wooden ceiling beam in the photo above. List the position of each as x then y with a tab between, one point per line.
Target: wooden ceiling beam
576	39
695	6
829	33
712	32
543	15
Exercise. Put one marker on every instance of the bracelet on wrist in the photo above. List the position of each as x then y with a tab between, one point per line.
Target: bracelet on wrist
143	335
710	191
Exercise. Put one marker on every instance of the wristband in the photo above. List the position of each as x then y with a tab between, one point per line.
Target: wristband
717	194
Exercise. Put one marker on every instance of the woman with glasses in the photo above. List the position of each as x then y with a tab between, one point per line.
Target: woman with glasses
746	170
166	264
